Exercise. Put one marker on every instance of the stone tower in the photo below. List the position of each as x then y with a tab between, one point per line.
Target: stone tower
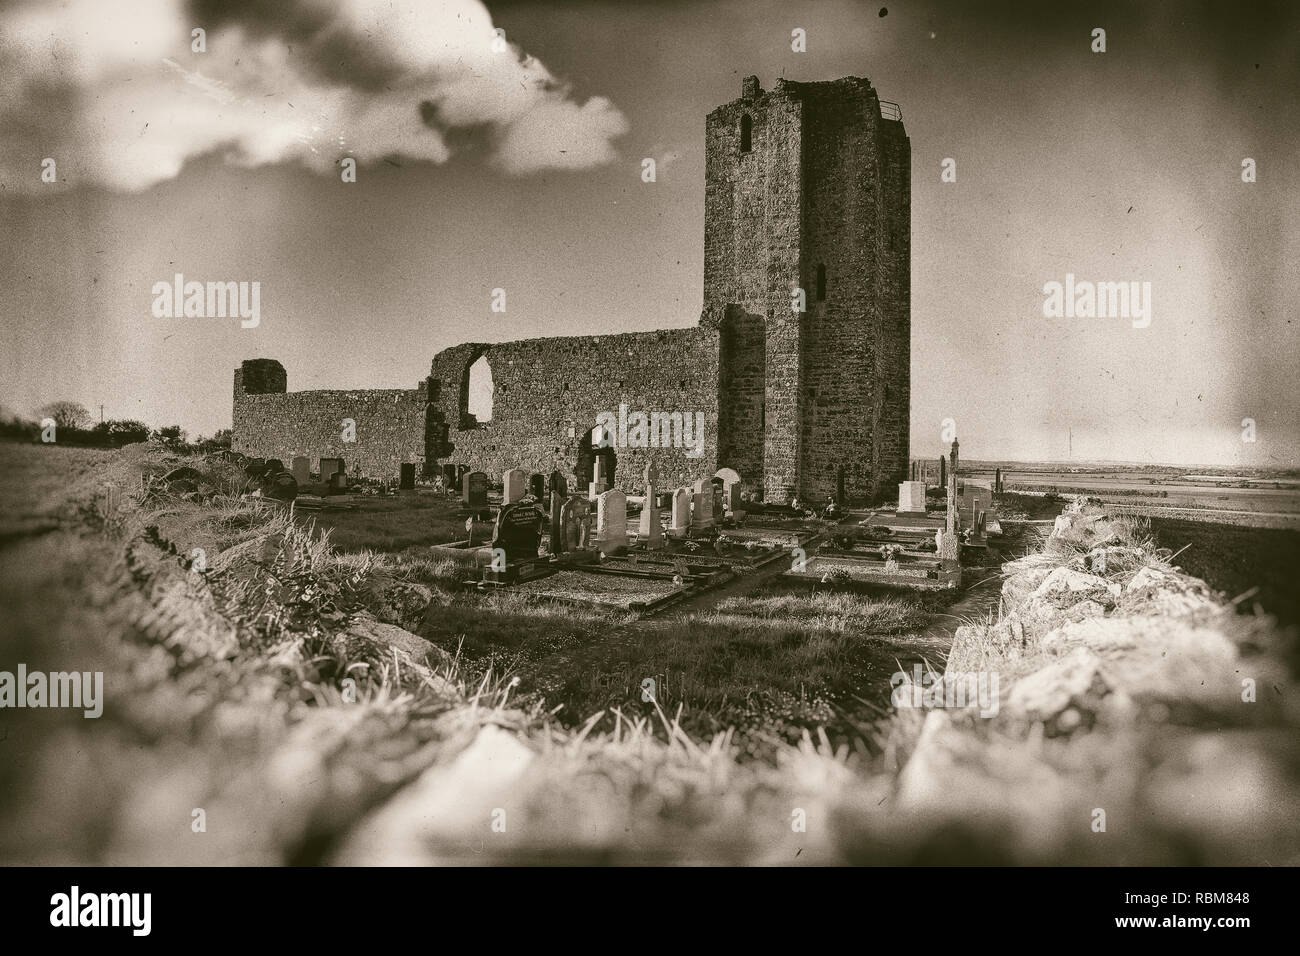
260	377
808	187
253	377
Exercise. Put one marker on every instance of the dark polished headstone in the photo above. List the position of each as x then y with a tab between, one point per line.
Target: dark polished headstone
517	532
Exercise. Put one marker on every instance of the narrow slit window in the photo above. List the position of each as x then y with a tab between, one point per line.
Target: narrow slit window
746	133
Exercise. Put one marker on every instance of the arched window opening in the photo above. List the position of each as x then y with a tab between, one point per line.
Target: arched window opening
746	133
479	403
821	282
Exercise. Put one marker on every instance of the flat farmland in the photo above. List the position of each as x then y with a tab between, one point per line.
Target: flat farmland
1257	500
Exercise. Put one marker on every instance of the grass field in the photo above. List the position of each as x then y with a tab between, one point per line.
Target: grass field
771	666
1238	559
394	523
226	690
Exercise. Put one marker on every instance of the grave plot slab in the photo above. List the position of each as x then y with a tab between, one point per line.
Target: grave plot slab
916	576
904	523
581	586
518	572
691	571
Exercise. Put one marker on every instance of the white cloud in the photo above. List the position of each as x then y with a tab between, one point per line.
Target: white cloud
113	92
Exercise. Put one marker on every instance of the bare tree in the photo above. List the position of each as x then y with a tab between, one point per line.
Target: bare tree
65	414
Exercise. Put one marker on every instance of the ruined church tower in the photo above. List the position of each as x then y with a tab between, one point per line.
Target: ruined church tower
808	187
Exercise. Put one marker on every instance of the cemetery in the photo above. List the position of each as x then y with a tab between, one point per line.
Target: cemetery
638	554
766	615
644	553
651	571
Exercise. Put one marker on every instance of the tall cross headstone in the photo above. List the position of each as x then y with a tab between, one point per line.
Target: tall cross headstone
951	523
648	528
600	480
948	549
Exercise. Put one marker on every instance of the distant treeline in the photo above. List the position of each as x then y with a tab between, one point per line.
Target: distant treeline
1081	490
73	429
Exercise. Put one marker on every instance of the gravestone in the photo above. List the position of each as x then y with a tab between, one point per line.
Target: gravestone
574	514
537	487
280	486
911	497
558	486
648	530
953	517
702	505
976	496
328	467
407	482
611	521
681	516
718	490
513	483
516	532
557	523
730	486
600	481
948	548
474	490
301	469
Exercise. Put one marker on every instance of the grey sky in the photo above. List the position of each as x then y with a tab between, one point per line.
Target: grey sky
1123	165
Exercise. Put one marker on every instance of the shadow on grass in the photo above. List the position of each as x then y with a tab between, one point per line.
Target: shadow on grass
394	524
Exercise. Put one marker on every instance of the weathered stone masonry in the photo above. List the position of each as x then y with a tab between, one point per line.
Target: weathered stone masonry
806	186
819	201
269	422
548	392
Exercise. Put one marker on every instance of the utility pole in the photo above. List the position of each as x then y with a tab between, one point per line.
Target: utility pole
101	414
